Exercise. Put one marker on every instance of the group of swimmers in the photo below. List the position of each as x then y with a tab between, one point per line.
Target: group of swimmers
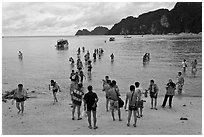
193	66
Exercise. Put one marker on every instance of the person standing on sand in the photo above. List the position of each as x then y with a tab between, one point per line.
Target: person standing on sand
113	94
180	83
140	105
90	105
106	87
54	87
77	95
170	92
132	98
153	88
20	95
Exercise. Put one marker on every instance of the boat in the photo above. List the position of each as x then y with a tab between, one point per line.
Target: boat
62	44
111	39
126	36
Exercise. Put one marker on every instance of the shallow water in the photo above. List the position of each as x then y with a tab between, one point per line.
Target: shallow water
42	62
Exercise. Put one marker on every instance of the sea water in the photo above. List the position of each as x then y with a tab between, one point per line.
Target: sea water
42	62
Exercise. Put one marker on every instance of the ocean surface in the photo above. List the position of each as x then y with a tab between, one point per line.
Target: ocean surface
42	62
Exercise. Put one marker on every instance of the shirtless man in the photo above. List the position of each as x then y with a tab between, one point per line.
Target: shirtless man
20	95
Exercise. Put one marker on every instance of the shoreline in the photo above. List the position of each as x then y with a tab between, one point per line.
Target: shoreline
41	117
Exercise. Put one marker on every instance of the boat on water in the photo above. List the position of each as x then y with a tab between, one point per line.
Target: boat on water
62	44
126	36
111	39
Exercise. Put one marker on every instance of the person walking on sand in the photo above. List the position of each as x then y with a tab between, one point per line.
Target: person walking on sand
170	92
20	95
132	98
55	88
90	105
113	95
77	95
153	89
180	83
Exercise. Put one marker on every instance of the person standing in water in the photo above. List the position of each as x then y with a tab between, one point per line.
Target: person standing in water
20	95
112	57
184	64
194	63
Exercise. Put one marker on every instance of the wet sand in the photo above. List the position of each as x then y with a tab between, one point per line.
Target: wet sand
41	117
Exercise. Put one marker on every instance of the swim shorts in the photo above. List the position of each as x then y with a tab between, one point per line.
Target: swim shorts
132	107
114	105
20	99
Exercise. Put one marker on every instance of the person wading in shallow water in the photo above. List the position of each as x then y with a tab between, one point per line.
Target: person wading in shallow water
20	95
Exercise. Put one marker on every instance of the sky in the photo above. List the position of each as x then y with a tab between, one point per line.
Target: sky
66	18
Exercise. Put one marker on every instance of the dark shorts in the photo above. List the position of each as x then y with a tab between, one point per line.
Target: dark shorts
20	99
140	104
152	95
55	91
90	108
132	107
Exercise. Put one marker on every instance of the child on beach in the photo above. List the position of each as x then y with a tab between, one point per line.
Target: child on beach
132	98
180	83
77	95
90	105
20	95
153	88
55	88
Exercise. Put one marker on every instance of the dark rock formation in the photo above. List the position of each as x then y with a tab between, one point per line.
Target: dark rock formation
97	31
83	32
184	17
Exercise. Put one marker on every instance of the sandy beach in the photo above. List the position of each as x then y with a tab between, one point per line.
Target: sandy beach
41	117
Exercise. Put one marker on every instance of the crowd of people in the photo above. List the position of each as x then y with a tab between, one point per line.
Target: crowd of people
134	98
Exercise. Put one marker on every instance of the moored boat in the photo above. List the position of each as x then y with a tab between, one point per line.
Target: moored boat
62	44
